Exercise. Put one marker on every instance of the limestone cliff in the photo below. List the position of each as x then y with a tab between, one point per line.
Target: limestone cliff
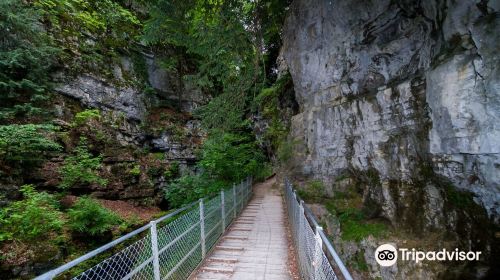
402	97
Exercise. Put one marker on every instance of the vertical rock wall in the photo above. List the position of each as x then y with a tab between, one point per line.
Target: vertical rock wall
390	86
407	92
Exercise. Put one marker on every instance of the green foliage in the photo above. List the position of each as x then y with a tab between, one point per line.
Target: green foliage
36	217
268	104
285	151
231	157
89	217
81	168
225	158
227	44
172	171
136	170
356	231
348	207
313	191
85	116
25	144
359	261
91	31
190	188
214	35
26	56
317	187
459	198
264	171
355	227
159	156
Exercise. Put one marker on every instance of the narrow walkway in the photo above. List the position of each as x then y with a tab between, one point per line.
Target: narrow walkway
256	245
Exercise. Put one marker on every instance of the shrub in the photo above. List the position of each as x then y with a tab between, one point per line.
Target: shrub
36	217
136	170
231	157
172	171
110	25
225	158
85	116
89	217
190	188
316	187
357	230
268	102
355	227
81	168
27	55
286	150
264	172
25	143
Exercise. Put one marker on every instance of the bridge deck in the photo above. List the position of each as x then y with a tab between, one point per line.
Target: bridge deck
256	245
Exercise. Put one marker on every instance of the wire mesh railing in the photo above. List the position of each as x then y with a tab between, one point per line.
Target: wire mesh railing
170	247
316	257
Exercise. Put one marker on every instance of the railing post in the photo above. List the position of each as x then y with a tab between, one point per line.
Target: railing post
242	196
249	187
154	248
300	228
223	210
234	201
318	257
202	229
246	189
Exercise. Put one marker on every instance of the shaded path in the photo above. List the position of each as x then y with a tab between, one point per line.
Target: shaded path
256	245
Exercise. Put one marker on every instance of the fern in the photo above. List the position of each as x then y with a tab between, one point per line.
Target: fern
81	168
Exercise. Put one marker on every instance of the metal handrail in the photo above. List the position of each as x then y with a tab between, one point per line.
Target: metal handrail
51	274
244	188
308	216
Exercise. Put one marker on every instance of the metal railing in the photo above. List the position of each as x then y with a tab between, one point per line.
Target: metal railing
170	247
316	257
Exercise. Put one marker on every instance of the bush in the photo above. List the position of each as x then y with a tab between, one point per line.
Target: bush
85	116
356	228
172	171
81	168
136	170
25	143
286	150
231	157
89	217
27	55
36	217
226	158
72	22
190	188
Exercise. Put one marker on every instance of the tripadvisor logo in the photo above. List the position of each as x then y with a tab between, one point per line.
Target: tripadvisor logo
387	255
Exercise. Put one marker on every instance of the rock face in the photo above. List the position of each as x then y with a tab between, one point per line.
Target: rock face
96	93
134	120
407	92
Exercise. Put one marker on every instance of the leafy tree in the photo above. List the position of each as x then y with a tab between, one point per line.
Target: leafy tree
91	32
36	217
25	144
214	34
232	57
26	56
225	158
187	189
230	157
89	217
81	168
